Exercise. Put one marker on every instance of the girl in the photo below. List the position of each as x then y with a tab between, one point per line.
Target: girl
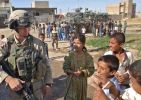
78	66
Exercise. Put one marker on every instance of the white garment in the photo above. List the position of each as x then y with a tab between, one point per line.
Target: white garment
122	67
107	91
116	28
83	30
131	94
128	59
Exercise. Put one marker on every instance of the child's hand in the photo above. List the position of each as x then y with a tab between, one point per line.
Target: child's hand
103	80
113	91
121	77
97	80
96	85
99	93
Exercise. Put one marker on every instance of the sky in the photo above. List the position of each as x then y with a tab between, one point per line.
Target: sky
70	5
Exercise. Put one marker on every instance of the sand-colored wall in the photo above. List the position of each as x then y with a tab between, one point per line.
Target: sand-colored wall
40	4
113	9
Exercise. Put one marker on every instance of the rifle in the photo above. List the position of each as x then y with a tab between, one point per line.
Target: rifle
26	91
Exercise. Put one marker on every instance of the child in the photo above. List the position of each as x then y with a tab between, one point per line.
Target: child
2	37
104	79
72	35
134	92
83	30
54	38
125	58
42	38
78	66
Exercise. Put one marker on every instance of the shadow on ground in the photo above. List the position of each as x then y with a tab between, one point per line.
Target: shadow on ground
59	87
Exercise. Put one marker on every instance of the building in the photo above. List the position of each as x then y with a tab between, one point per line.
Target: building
5	9
126	8
41	15
40	4
41	11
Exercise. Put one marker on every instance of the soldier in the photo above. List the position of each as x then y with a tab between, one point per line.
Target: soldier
26	59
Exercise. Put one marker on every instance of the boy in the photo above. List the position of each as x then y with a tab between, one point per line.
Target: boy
134	92
125	58
42	38
72	35
104	79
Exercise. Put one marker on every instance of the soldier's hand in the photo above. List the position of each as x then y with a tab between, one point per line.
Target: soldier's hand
47	90
14	83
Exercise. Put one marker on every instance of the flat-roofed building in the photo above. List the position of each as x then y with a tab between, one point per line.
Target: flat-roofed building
5	9
40	4
126	8
4	3
42	14
113	9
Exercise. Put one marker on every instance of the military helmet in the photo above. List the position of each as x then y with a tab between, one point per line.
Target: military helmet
19	18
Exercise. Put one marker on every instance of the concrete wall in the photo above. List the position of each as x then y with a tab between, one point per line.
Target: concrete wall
45	14
5	7
138	15
40	4
45	18
126	8
129	7
112	9
4	3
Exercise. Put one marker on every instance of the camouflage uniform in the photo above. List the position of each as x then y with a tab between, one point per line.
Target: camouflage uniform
42	75
38	73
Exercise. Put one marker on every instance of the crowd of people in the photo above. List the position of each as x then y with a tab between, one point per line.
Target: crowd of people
116	77
101	28
62	31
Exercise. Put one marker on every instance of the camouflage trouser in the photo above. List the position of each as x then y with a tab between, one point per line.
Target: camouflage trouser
7	94
37	90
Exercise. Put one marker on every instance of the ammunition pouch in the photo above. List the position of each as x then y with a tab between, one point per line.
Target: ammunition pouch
27	64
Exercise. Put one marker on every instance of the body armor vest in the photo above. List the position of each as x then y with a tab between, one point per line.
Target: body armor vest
23	58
